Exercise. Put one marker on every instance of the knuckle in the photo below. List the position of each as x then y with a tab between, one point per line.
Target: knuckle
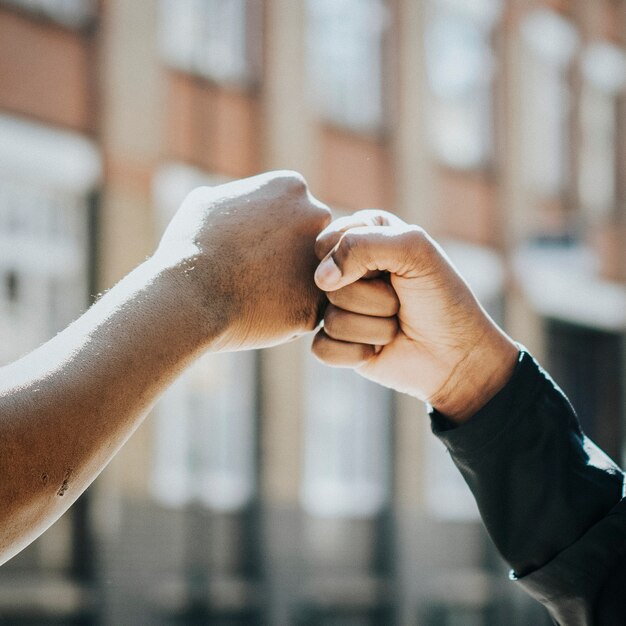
367	216
391	328
349	245
325	242
325	214
332	320
417	234
366	352
290	181
419	248
420	239
335	297
321	247
322	214
319	347
325	349
375	217
391	305
356	246
388	302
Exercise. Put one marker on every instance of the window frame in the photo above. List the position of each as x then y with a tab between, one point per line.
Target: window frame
67	168
60	172
251	56
541	58
378	125
477	102
601	89
42	9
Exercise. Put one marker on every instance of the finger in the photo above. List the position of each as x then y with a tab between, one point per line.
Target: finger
340	353
346	326
374	297
331	235
399	250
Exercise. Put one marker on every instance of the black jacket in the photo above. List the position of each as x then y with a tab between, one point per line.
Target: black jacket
550	498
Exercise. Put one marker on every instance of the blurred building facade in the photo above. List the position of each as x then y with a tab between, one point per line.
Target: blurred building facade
266	488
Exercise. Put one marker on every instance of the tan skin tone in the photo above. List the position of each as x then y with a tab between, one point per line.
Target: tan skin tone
402	316
398	314
66	408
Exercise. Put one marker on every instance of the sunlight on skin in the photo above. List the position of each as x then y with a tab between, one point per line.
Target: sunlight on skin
446	351
66	408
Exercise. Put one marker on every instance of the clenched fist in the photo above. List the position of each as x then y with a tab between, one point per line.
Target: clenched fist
401	315
233	270
248	249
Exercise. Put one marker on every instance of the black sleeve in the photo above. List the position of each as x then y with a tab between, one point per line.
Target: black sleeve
549	497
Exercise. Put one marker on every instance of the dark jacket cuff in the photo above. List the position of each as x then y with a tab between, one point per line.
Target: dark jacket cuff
539	482
583	584
495	418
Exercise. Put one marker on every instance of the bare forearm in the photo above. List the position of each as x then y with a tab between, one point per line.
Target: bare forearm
66	408
233	271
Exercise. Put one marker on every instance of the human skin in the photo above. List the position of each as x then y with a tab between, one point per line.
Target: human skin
401	315
233	271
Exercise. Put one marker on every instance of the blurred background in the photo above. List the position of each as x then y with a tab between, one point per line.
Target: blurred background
265	488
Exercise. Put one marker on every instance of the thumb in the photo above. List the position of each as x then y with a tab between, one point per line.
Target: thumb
329	237
372	248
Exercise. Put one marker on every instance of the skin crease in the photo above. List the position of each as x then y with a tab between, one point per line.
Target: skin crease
67	407
403	317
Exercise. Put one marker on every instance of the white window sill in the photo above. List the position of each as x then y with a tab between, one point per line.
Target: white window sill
563	283
54	158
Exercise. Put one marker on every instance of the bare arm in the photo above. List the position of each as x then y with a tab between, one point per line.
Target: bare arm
66	408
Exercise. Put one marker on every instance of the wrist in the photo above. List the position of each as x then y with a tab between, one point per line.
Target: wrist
480	374
194	280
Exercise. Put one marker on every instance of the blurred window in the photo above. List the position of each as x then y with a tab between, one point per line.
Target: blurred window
217	39
588	363
460	68
345	61
46	180
205	426
604	78
347	445
205	435
72	13
549	43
